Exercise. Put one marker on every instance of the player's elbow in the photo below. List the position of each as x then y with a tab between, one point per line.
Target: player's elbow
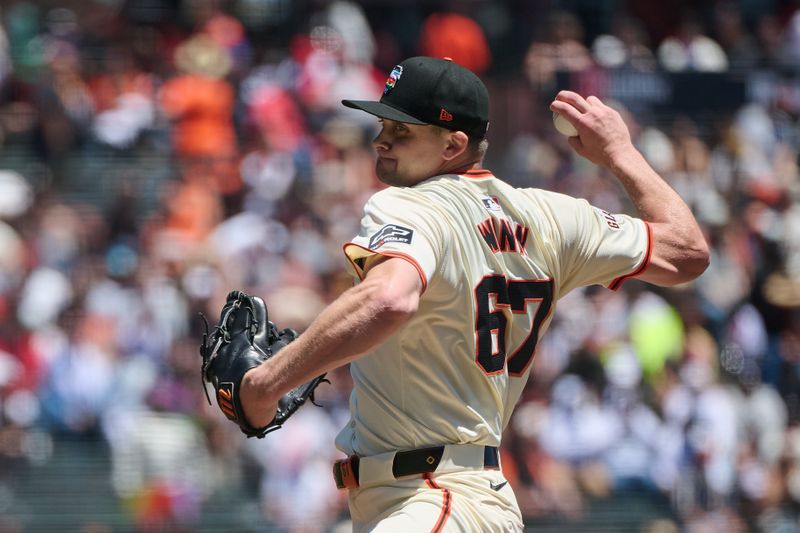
700	259
680	254
690	264
695	257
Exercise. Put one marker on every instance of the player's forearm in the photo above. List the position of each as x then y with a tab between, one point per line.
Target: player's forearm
356	322
653	198
681	252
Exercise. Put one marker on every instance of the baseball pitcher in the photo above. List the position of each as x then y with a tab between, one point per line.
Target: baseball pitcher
458	276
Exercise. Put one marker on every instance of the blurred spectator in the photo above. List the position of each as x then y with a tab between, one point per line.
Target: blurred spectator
632	460
562	49
201	102
294	490
656	332
577	430
123	98
547	486
350	22
625	47
691	49
5	57
791	47
229	34
161	465
733	35
457	37
64	104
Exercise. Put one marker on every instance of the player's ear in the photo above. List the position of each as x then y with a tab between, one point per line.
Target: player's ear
457	142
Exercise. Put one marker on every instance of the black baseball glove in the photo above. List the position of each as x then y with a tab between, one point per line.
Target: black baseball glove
243	339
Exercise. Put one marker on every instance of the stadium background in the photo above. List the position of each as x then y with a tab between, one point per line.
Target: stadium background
156	153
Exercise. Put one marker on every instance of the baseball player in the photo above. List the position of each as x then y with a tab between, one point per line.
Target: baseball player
459	274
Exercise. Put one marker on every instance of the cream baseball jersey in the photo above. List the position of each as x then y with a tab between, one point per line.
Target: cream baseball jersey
493	260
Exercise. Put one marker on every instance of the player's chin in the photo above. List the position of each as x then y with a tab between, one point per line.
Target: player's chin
386	171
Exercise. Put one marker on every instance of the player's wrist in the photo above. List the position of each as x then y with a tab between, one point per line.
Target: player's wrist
257	404
622	158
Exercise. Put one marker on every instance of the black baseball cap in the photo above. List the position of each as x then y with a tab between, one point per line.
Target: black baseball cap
427	90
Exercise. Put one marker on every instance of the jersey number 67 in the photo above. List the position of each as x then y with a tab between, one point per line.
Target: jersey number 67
490	325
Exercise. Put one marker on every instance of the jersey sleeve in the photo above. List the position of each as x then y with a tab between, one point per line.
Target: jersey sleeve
595	246
397	223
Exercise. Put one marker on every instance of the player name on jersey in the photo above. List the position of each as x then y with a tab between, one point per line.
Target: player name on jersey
500	236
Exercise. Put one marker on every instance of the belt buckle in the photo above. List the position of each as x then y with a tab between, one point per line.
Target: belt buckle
345	472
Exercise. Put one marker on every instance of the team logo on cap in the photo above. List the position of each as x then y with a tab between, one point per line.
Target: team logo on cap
392	79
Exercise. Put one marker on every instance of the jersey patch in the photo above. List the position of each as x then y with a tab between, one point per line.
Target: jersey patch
391	233
491	203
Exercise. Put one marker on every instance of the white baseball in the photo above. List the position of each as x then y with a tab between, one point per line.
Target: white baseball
563	126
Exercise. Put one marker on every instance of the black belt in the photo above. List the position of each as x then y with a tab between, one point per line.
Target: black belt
406	463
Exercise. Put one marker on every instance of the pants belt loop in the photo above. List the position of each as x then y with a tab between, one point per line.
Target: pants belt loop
345	472
491	458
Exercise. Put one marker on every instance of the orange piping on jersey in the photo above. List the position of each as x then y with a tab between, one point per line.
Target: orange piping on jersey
477	173
399	255
439	526
617	283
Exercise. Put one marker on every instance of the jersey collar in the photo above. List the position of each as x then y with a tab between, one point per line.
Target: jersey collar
477	173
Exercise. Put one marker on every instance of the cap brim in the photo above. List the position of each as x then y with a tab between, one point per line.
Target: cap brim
379	109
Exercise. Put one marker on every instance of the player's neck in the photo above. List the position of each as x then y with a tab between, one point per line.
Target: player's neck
460	167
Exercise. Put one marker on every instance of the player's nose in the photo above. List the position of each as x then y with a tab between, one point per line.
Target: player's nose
384	137
381	142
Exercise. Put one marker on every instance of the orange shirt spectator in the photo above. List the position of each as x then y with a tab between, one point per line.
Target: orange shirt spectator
457	37
201	107
201	101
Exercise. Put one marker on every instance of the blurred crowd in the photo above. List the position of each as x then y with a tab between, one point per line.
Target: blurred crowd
156	154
